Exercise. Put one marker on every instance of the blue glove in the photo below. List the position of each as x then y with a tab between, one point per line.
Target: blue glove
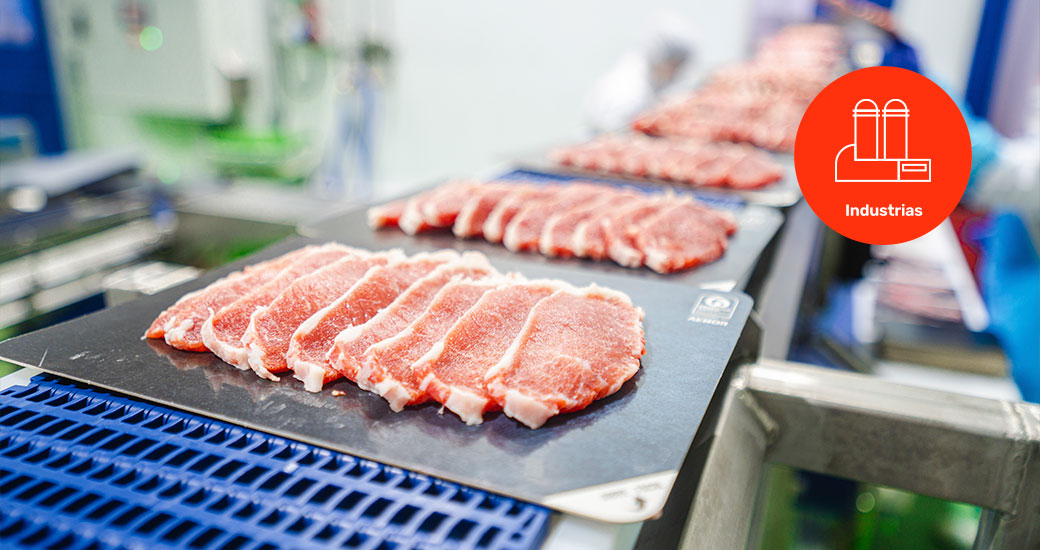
1010	277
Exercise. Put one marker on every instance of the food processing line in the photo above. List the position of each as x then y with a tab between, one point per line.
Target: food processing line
110	441
141	443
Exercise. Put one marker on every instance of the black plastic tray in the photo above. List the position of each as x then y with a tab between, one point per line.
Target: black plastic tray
615	461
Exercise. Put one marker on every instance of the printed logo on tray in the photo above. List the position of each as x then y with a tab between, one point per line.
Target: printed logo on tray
714	309
882	155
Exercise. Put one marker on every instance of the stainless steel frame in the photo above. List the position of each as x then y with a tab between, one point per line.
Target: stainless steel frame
978	451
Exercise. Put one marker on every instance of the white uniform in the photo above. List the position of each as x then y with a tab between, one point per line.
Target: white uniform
620	95
631	86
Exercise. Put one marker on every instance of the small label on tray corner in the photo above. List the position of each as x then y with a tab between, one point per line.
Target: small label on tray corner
714	309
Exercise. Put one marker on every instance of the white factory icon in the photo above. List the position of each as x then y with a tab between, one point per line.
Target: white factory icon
880	156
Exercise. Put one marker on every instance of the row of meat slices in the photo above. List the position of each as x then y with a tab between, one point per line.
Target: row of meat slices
769	123
438	326
661	231
692	162
760	101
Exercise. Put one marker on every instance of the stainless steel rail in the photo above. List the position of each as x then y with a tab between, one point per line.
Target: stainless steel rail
978	451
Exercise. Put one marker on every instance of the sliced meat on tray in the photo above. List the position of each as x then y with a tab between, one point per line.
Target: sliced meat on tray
433	326
711	167
507	208
386	215
452	372
476	208
575	219
760	101
679	237
181	324
548	371
222	332
620	230
690	161
557	237
590	235
564	233
443	205
310	344
387	366
411	220
271	327
720	218
524	231
435	208
350	345
752	168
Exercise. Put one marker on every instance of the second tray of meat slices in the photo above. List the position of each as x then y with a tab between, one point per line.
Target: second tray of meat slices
782	193
756	227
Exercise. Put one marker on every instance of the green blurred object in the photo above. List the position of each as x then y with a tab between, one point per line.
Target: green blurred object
777	511
883	517
173	132
903	520
263	154
151	38
228	150
7	368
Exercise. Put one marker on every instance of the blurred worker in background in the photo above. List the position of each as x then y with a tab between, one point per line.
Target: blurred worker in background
636	81
346	169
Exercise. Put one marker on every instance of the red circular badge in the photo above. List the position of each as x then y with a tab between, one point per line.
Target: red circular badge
882	155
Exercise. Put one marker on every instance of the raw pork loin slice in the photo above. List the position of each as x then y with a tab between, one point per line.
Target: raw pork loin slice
679	237
709	167
475	211
442	206
387	366
590	235
452	372
755	167
222	332
435	208
720	218
271	327
350	345
411	219
560	231
525	229
310	344
548	371
507	208
621	228
386	215
181	323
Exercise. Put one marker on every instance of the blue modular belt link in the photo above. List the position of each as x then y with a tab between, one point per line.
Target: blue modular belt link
86	469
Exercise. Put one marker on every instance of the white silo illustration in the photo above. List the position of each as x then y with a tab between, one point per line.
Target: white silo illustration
865	130
883	156
897	132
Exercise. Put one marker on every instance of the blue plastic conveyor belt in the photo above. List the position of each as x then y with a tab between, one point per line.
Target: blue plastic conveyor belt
85	469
